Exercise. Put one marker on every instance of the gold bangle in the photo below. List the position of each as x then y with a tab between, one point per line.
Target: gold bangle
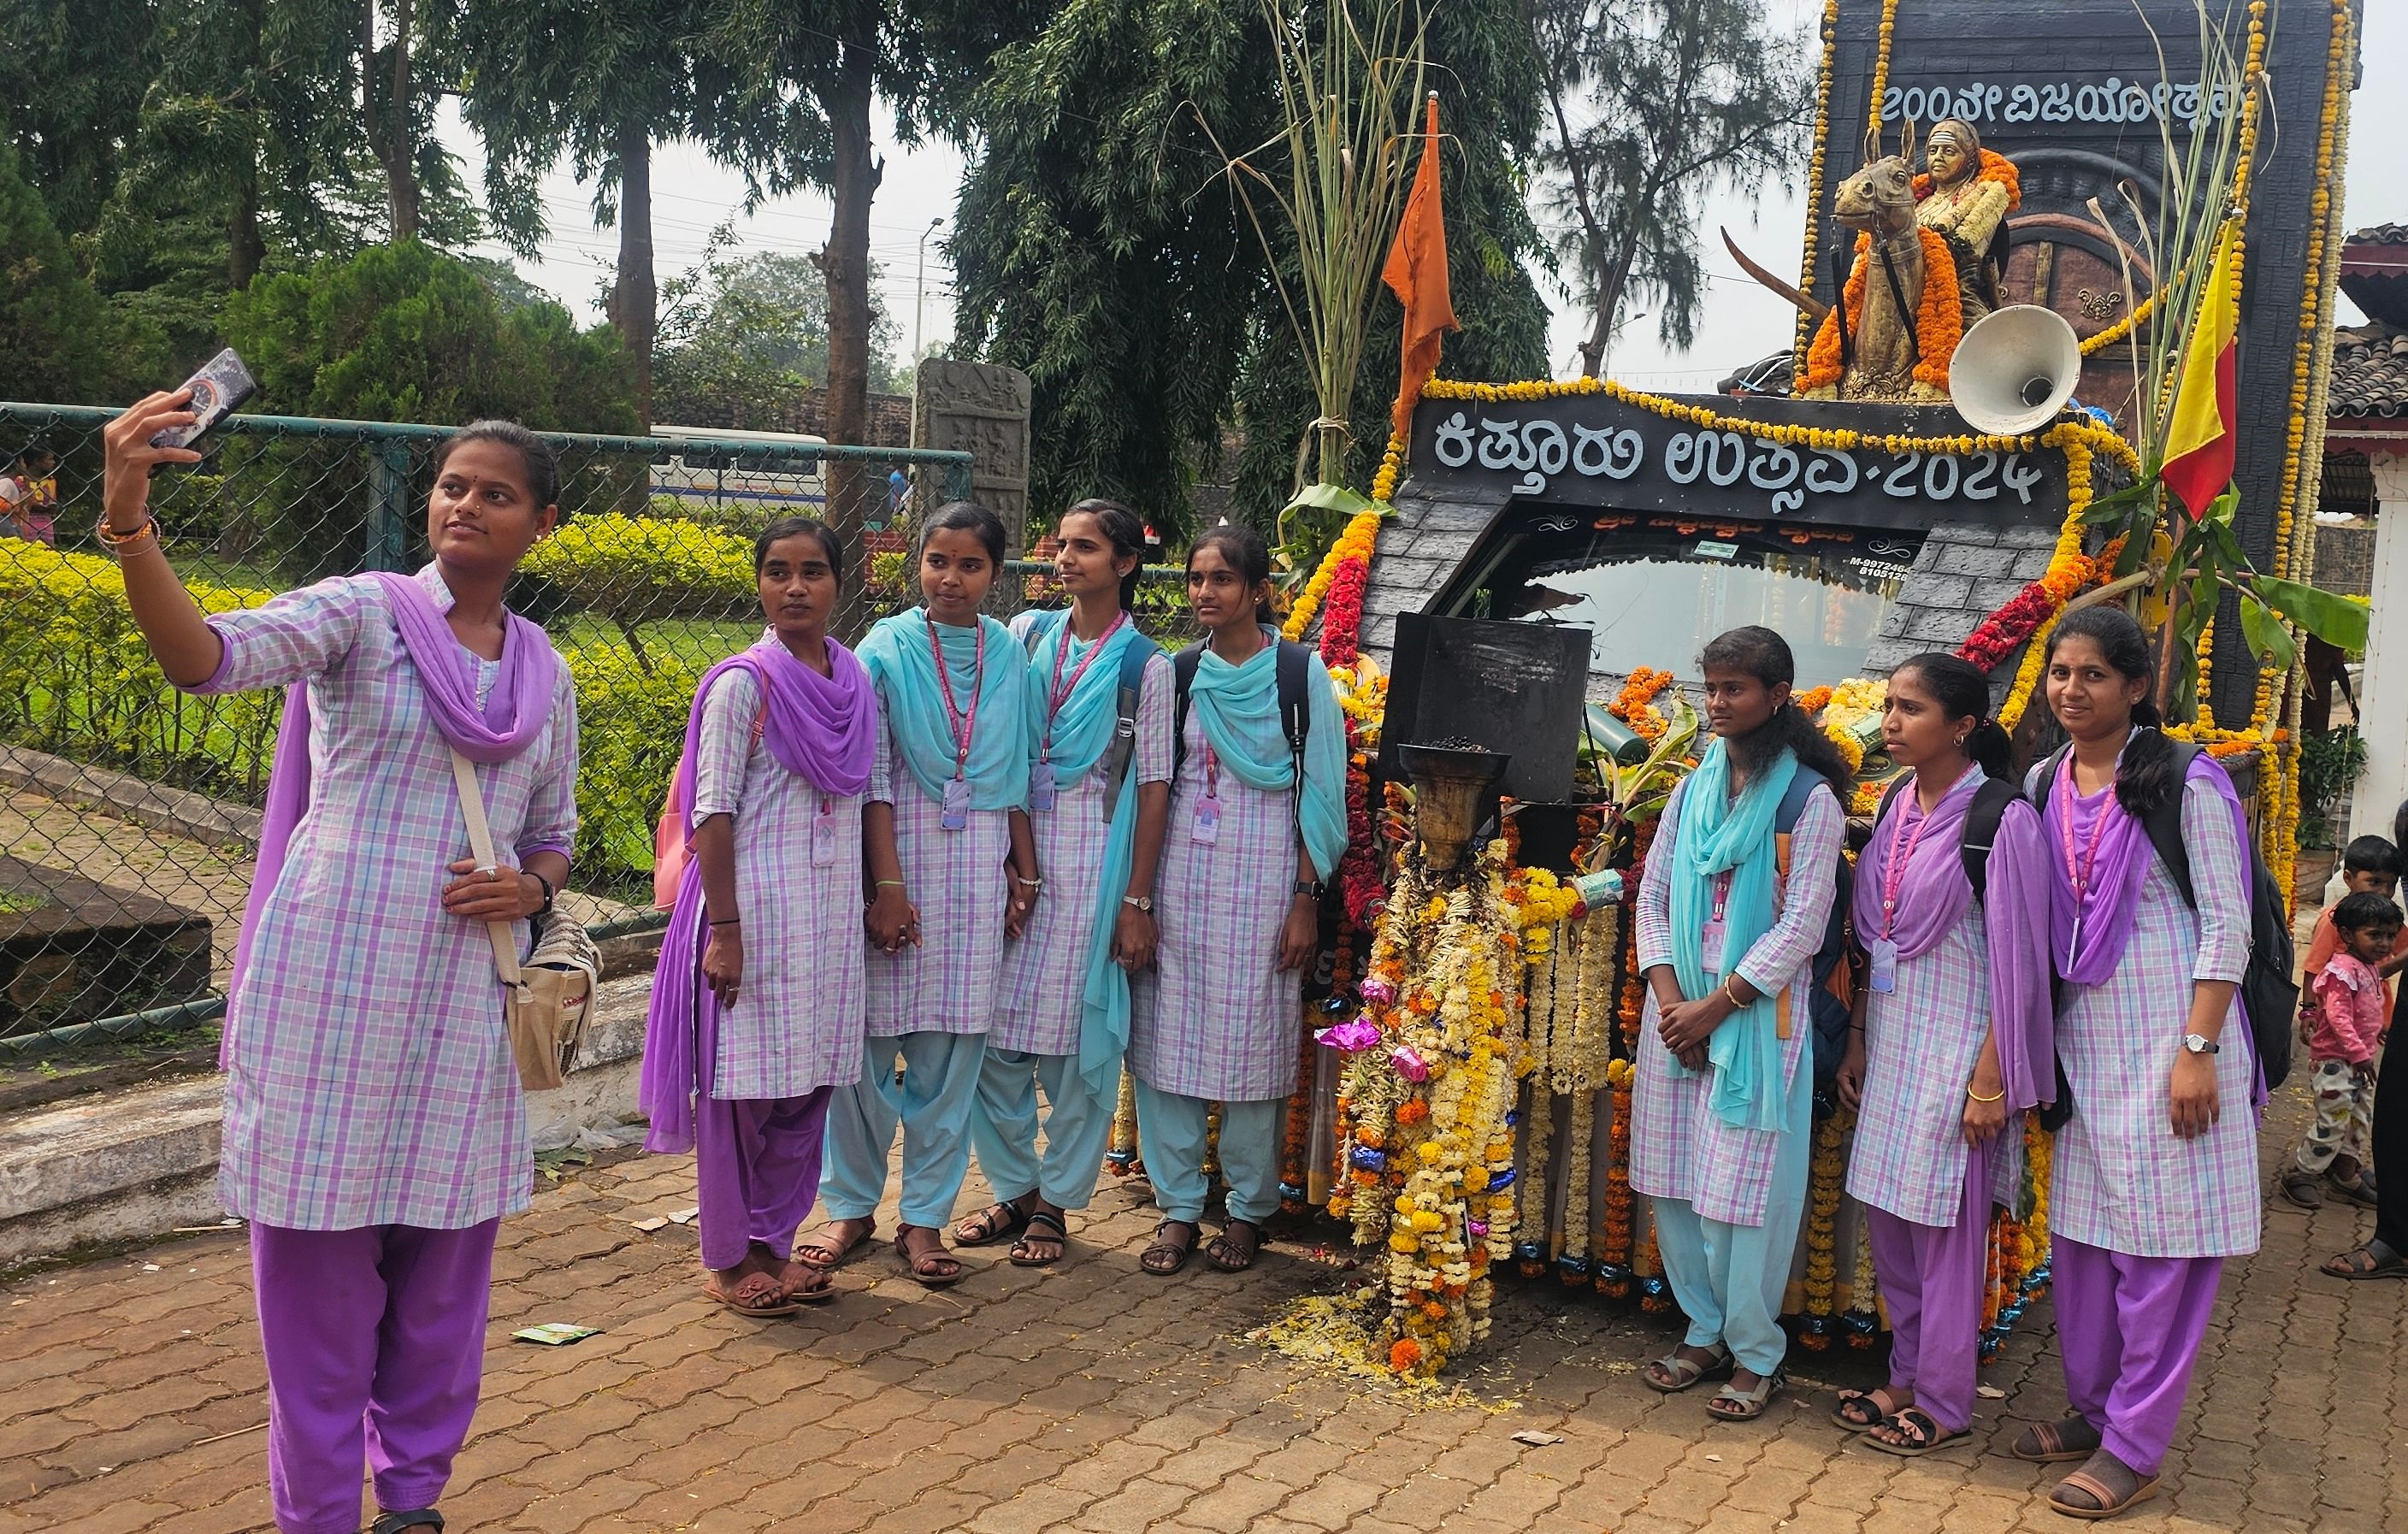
1732	997
1978	1097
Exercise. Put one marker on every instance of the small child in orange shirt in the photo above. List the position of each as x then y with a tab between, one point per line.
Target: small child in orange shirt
2369	866
2352	1011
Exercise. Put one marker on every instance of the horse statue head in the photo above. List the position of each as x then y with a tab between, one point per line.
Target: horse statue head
1879	199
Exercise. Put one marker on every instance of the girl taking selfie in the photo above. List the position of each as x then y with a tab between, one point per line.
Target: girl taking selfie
375	1129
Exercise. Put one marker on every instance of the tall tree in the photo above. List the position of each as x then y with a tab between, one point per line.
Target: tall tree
602	84
391	107
1654	103
72	76
741	337
1094	248
823	67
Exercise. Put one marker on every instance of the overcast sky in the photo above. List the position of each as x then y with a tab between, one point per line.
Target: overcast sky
1740	322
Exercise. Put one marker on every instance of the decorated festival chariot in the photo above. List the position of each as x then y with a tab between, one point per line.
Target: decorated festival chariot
2063	337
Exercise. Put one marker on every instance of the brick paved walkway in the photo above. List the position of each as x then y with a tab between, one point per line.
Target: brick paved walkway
1094	1398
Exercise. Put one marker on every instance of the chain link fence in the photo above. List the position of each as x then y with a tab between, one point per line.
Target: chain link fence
129	813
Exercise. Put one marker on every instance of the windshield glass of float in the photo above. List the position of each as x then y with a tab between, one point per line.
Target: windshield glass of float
1653	595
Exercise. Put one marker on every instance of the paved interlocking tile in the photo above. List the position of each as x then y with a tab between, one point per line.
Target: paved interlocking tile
1093	1397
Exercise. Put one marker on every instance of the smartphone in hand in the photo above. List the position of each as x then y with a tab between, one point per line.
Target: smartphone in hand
221	386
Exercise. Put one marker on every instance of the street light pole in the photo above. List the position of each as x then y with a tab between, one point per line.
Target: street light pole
920	288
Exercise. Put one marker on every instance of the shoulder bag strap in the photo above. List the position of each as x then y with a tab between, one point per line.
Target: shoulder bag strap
480	846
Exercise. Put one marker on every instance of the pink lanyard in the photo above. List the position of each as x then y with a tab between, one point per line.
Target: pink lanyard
2079	874
1894	871
962	727
1058	693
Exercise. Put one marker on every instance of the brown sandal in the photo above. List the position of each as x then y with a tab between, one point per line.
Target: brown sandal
756	1295
1232	1253
928	1268
1164	1257
2053	1442
2103	1495
828	1251
806	1285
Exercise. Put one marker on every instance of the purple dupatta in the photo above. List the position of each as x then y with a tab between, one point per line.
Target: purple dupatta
513	715
1934	895
823	729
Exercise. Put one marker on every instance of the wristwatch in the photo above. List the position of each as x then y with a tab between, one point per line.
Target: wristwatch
1312	887
2199	1043
1139	902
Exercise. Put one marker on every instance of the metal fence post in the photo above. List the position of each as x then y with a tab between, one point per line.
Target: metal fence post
387	543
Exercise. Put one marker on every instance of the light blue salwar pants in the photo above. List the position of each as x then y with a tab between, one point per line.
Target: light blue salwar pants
1172	1132
1730	1279
1003	1127
932	1103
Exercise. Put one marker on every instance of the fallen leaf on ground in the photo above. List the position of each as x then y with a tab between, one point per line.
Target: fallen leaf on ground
1536	1438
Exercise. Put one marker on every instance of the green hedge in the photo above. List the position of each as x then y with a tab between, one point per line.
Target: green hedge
77	680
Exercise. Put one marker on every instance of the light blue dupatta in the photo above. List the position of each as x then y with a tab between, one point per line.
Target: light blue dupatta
1718	835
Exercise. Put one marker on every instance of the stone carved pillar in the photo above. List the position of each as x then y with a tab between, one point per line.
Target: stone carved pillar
982	408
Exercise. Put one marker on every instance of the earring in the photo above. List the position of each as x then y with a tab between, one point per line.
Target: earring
1960	742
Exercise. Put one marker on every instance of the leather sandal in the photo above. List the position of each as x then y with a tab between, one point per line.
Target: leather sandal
2105	1503
934	1268
393	1523
2056	1442
998	1222
1681	1373
1732	1404
1918	1432
1166	1257
1862	1411
1044	1225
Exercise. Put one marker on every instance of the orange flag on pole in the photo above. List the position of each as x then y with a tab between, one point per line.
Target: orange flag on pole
1417	273
2200	437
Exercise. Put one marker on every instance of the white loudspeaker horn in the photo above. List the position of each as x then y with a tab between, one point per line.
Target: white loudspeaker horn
2014	371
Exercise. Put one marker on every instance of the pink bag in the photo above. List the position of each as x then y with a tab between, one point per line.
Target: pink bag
670	835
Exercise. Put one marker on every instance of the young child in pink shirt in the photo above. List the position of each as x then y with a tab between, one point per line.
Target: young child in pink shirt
2352	1007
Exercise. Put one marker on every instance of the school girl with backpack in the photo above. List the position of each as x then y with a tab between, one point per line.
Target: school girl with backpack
376	1129
1950	1043
1735	899
1257	823
953	871
2156	1180
1100	715
758	1005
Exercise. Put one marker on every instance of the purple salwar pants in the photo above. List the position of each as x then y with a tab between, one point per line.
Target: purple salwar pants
1931	1279
375	1341
2129	1328
756	1168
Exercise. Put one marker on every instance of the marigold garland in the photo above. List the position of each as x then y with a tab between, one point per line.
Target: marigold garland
1939	320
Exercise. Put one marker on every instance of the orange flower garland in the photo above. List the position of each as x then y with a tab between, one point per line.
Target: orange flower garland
1996	168
1939	320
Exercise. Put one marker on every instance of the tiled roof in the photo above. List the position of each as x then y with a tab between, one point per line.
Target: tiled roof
2370	375
2381	234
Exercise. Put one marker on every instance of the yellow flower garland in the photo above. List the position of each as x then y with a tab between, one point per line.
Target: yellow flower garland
1815	166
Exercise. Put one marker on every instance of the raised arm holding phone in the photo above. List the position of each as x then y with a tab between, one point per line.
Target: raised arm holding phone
375	1128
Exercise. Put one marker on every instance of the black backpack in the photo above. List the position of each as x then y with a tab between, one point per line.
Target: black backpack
1827	1012
1135	656
2269	995
1981	830
1296	716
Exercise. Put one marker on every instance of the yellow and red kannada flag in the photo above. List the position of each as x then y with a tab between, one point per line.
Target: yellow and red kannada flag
2199	439
1417	273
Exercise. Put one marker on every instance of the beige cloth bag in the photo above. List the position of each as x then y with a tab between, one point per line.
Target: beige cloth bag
550	997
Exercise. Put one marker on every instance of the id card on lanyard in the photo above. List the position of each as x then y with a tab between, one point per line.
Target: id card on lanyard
962	724
1042	787
2079	873
1709	950
1205	829
824	833
1883	950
